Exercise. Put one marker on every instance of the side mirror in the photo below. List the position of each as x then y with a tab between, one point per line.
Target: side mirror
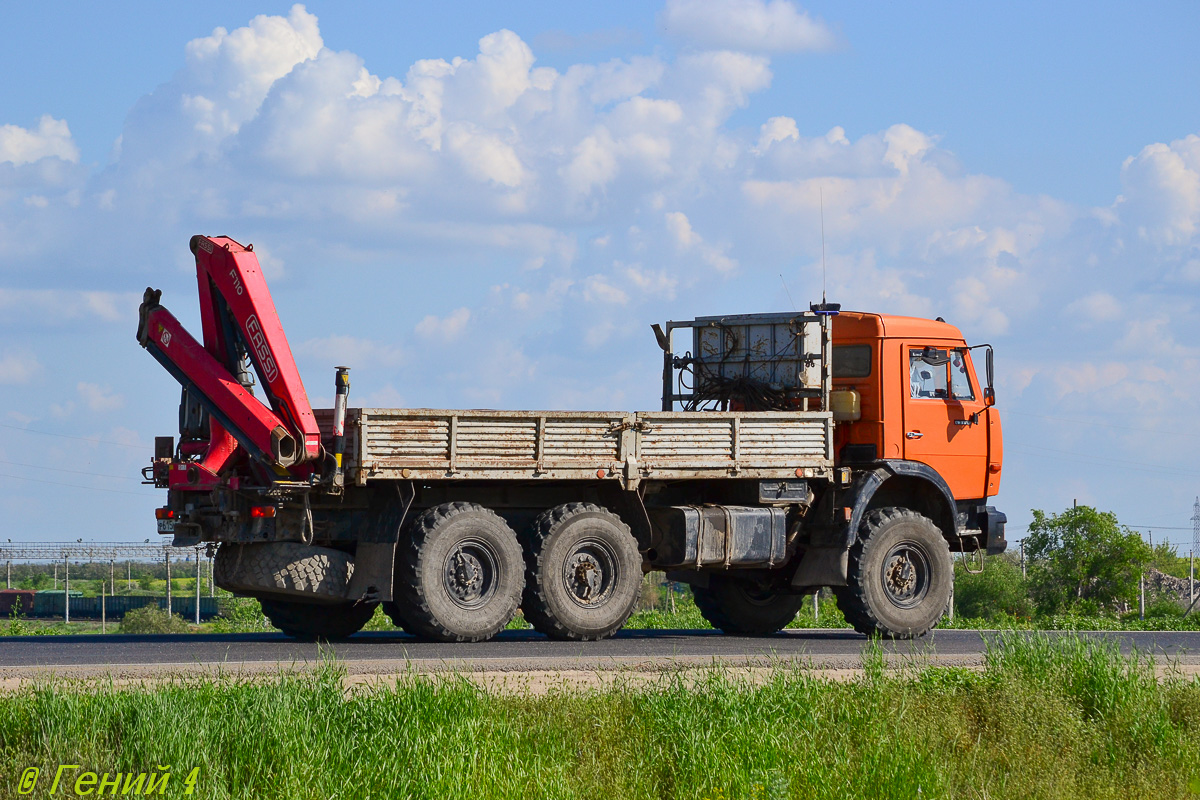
989	396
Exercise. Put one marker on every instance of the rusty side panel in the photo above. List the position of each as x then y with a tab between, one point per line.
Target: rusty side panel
432	444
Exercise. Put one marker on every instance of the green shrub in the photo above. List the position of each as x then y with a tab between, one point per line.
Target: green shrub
240	615
997	593
151	619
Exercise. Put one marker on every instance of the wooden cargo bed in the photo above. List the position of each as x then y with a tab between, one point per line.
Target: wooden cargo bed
439	444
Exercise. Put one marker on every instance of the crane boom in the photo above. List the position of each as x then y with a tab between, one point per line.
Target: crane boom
239	320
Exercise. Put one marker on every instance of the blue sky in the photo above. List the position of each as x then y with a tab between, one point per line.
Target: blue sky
487	206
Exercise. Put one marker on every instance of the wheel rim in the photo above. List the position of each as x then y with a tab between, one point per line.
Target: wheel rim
471	572
905	575
590	572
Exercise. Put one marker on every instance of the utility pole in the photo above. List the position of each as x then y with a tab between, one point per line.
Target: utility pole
67	591
816	606
112	574
212	579
167	560
56	576
8	580
1022	559
1192	577
129	575
103	615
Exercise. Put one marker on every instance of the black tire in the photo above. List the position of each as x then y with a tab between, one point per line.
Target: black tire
900	576
583	573
396	614
312	621
283	568
459	576
742	607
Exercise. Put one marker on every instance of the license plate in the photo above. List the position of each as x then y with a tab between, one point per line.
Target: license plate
166	526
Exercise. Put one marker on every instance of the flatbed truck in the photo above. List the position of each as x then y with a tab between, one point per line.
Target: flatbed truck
792	452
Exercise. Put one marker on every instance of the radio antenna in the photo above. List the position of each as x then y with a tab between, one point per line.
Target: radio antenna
821	190
789	291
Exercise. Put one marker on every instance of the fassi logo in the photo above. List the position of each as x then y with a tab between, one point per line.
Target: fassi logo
258	341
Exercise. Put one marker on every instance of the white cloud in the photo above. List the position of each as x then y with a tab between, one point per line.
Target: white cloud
18	367
777	129
686	239
339	349
445	328
655	284
56	306
635	185
597	289
1161	191
750	25
99	398
1095	307
51	139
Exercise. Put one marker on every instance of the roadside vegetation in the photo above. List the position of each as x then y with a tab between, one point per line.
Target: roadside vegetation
1060	718
1082	572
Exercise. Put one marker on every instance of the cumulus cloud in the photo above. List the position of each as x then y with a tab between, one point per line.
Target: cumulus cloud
445	328
340	349
58	306
586	200
51	139
1161	192
750	25
99	398
18	367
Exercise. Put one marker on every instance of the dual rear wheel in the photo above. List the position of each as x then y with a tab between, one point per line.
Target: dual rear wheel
463	573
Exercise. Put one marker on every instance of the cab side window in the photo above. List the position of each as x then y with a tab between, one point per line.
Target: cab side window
947	380
925	380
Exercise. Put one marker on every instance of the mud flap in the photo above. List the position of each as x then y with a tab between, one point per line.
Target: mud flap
372	578
823	566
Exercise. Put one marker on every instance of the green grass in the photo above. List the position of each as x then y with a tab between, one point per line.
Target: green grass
1053	719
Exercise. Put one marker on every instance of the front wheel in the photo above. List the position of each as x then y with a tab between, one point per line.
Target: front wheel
745	608
900	576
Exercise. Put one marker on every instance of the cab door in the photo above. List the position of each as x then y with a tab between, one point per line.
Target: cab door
945	424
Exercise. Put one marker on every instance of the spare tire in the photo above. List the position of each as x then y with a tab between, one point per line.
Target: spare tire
285	570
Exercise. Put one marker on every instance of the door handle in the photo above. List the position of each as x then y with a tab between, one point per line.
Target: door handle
913	435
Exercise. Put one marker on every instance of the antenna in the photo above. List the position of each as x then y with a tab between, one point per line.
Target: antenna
821	189
789	291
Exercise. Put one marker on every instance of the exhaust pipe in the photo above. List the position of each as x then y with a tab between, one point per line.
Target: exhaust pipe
342	385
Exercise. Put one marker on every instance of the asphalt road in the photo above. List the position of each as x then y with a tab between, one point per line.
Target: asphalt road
520	650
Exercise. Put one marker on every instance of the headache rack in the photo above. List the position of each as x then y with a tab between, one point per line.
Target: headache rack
751	362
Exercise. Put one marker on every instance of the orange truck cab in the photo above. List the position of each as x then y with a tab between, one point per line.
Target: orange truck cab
908	398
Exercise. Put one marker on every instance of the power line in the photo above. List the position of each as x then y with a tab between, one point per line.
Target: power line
72	471
76	438
1090	459
1082	421
74	485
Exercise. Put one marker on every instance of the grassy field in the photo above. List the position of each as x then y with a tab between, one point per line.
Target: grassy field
1056	720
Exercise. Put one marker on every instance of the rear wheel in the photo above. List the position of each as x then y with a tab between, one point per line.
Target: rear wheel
900	575
583	573
312	621
459	578
745	608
